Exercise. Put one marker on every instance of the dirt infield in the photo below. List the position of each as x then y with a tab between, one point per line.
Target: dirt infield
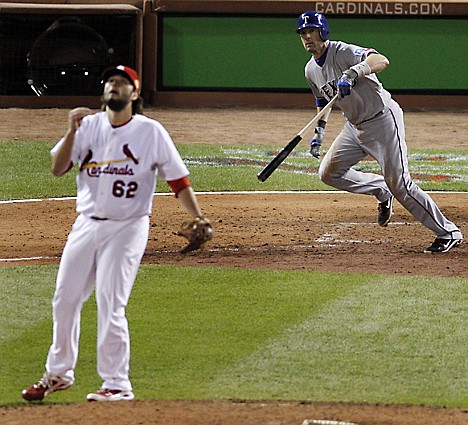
326	231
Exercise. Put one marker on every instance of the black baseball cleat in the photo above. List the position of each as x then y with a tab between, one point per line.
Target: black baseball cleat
439	246
385	211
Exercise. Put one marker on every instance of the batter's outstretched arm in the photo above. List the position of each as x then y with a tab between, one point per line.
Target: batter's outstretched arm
377	62
61	160
326	115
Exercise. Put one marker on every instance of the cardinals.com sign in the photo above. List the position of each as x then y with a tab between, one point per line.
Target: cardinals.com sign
380	8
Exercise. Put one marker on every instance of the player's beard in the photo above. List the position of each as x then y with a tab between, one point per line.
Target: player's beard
116	105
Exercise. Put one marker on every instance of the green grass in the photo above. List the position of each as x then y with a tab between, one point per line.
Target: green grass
210	333
26	173
215	333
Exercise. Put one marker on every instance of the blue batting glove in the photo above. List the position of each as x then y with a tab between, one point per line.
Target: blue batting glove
316	142
346	83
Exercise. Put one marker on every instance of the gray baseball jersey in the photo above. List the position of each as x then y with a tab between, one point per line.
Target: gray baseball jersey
375	127
367	97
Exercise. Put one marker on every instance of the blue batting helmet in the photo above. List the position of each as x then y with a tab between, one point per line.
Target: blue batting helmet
313	19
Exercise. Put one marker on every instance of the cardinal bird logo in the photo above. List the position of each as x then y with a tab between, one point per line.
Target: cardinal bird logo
128	152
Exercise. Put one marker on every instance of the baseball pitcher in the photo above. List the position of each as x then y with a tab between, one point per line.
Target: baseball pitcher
120	153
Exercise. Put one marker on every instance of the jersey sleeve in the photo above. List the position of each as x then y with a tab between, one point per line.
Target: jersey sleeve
78	148
313	87
320	100
350	54
169	164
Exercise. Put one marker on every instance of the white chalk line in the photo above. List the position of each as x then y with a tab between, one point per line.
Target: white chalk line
245	192
12	260
325	422
258	192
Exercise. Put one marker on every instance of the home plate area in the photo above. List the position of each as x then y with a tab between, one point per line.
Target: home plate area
358	233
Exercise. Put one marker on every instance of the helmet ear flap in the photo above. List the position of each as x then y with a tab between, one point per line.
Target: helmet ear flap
324	34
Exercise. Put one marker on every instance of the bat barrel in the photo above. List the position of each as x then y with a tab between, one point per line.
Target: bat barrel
278	159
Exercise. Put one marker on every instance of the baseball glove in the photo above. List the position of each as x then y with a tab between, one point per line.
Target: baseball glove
197	232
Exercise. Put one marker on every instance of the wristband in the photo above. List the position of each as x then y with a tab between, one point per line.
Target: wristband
178	185
320	102
361	69
322	124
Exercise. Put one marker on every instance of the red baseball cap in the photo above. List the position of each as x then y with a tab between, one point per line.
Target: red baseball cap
126	71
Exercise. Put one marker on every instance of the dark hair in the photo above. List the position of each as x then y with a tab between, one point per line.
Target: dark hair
137	105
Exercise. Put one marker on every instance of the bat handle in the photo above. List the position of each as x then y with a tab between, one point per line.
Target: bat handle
315	120
275	163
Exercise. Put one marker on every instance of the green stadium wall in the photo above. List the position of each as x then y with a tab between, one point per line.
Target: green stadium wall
264	53
246	52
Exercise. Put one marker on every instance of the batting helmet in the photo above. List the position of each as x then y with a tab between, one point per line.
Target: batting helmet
313	19
126	71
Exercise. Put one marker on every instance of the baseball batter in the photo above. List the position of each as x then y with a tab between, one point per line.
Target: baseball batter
374	126
120	153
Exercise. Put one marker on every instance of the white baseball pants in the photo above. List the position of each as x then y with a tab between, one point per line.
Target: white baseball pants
103	256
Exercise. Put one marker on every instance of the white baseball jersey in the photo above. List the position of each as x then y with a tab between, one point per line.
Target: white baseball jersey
367	97
116	182
119	166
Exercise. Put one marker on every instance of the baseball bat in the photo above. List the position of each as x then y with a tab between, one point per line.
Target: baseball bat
278	159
